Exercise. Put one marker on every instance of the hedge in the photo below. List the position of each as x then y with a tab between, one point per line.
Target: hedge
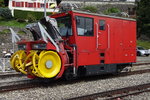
111	10
5	13
28	15
90	8
2	3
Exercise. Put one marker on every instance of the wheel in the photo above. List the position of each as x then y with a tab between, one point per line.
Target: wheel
124	68
68	75
147	55
138	54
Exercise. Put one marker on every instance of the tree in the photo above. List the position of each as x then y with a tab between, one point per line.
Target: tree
143	17
6	2
58	2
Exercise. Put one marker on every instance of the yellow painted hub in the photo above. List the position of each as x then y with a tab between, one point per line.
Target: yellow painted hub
49	64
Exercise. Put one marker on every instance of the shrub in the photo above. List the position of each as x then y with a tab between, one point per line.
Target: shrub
28	15
5	13
90	8
31	18
111	10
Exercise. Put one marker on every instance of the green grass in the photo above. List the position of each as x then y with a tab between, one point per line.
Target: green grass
145	44
22	32
5	31
13	23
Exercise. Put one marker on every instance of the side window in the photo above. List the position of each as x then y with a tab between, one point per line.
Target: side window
102	24
84	26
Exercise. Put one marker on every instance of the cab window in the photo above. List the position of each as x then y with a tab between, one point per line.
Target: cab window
65	25
84	26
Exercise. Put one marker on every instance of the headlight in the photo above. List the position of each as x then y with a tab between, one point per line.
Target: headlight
39	46
143	52
21	46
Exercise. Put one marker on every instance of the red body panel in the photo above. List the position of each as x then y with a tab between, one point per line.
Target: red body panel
117	42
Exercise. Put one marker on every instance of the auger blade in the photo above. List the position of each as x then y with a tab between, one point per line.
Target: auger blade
16	60
35	60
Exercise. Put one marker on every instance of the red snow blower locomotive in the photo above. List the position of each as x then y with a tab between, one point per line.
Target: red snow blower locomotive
76	43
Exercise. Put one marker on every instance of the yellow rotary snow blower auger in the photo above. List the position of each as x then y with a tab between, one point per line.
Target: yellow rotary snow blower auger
45	56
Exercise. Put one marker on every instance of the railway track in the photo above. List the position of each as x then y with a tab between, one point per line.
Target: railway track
116	94
139	64
27	83
18	85
16	74
9	75
119	94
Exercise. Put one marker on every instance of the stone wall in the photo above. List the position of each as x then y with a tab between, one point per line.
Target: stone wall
123	6
6	39
102	0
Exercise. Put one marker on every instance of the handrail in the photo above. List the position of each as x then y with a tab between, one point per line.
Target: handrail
108	36
97	36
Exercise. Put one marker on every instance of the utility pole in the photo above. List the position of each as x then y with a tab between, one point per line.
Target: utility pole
44	8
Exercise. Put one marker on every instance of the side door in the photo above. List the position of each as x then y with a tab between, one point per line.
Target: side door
85	40
103	42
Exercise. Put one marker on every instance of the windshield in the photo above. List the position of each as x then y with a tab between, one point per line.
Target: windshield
140	48
64	25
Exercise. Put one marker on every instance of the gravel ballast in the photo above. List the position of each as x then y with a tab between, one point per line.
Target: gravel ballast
143	59
142	96
57	91
68	90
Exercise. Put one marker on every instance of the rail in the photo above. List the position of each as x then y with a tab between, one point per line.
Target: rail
5	64
27	83
115	94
